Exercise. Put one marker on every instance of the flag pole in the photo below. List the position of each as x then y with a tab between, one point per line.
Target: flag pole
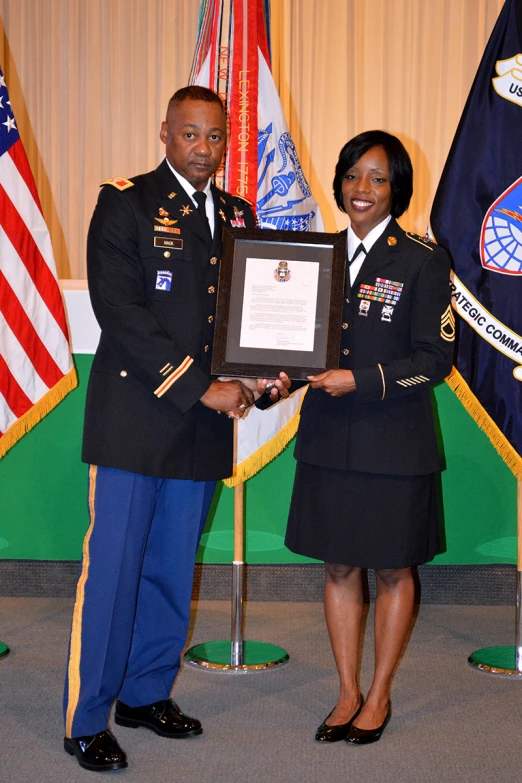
238	572
237	655
507	660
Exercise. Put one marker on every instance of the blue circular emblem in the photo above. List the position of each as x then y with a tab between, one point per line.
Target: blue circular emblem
501	236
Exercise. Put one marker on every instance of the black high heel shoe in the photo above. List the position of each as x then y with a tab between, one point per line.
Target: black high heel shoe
327	733
358	736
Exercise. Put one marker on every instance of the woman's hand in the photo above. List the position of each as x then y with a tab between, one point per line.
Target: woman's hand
334	382
278	388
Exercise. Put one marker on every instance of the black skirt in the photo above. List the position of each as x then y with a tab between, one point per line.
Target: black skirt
363	519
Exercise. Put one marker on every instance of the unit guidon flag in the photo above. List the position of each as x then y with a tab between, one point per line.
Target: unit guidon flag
233	58
477	215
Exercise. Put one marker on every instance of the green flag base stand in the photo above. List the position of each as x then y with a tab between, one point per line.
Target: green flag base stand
219	656
496	660
4	650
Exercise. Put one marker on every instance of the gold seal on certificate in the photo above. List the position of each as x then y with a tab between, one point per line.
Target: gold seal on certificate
279	303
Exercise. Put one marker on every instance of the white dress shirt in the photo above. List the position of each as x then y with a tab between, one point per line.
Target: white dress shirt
368	242
189	189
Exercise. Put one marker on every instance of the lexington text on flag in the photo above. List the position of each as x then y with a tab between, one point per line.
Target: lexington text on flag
36	369
477	215
233	58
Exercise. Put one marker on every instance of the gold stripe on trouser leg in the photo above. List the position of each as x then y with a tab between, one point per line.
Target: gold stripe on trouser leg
76	633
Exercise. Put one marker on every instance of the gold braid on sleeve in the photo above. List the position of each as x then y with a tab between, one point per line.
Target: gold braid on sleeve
383	382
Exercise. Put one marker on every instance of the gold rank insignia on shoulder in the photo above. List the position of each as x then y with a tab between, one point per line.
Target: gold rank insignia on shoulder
120	183
186	210
447	325
420	240
392	241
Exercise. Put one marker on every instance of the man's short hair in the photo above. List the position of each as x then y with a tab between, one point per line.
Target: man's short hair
194	93
401	170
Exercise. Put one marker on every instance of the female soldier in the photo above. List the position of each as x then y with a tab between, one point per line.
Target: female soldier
365	491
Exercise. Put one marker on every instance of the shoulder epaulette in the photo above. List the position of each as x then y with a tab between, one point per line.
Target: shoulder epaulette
244	200
421	240
120	183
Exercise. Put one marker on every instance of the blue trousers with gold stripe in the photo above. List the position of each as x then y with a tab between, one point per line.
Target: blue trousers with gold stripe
132	605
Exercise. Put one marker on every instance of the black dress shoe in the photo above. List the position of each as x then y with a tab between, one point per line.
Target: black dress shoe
164	717
327	733
96	752
358	736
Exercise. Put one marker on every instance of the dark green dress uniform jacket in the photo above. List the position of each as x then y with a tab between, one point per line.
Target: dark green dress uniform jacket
153	276
386	426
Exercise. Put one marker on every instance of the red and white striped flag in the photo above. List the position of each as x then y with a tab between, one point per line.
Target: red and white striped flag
36	369
233	58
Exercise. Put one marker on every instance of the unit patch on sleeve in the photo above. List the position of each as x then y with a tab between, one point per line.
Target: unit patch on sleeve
163	280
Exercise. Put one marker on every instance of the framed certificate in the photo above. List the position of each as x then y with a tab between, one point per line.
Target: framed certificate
279	304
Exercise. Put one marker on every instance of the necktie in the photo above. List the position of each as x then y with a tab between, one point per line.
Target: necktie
200	198
359	249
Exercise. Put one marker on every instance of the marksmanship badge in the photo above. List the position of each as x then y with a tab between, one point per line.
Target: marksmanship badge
386	313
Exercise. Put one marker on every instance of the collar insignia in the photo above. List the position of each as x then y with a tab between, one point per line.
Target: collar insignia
392	241
223	215
186	210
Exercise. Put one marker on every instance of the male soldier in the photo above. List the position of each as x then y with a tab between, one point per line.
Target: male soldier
153	437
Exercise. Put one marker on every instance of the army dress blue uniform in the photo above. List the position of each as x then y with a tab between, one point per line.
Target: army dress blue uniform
365	492
155	452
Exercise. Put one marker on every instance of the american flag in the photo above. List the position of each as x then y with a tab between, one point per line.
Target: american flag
36	369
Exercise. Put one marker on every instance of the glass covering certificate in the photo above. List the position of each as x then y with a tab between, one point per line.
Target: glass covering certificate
279	304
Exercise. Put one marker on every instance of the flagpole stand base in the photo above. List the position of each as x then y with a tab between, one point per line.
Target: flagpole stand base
218	656
496	660
4	650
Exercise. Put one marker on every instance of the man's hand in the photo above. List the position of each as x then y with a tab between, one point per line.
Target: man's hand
334	382
228	396
278	388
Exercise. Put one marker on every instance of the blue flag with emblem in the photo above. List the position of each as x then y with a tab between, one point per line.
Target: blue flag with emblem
477	215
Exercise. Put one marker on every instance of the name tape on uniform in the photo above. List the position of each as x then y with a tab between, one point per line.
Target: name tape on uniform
173	244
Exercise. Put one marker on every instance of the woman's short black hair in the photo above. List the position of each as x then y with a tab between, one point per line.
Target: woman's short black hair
401	170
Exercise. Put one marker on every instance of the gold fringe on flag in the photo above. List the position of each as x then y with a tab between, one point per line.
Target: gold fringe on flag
499	441
268	451
38	411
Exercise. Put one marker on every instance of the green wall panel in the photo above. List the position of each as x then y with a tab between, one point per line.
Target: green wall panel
43	509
